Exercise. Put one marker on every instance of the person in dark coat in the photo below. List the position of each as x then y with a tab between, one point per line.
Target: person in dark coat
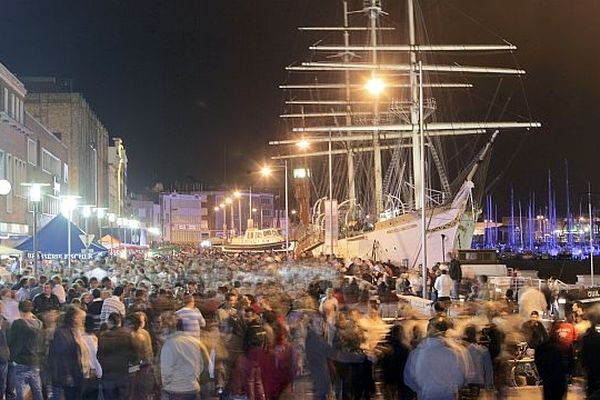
455	273
45	301
552	369
4	354
65	356
115	352
392	366
318	354
590	351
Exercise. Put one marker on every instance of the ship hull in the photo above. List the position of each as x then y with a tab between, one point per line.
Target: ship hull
399	239
256	248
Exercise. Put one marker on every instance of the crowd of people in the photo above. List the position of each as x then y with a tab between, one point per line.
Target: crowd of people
206	325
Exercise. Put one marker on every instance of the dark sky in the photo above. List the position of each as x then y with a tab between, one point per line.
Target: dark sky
189	84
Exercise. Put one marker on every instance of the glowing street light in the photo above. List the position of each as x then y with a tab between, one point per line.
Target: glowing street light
375	86
35	197
303	144
5	187
266	170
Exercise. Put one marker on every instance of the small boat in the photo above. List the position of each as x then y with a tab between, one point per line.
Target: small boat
257	240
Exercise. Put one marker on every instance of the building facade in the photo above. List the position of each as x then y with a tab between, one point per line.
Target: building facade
47	163
28	153
117	178
184	217
69	117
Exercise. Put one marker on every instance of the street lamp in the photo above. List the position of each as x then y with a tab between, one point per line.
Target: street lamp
303	144
375	85
238	195
266	171
35	197
67	205
5	187
86	213
222	206
100	214
229	202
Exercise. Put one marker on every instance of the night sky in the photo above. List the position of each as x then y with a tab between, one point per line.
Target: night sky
190	84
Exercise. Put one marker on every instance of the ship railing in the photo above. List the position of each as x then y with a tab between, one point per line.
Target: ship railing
500	284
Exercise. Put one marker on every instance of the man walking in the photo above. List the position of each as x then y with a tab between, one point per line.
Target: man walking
45	301
190	316
113	304
455	272
182	360
443	284
24	341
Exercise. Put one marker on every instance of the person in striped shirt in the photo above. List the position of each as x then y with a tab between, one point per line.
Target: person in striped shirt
190	316
113	304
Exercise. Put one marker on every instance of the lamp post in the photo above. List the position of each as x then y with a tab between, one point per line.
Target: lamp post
35	197
86	213
267	171
68	204
122	223
229	202
112	217
222	206
100	214
238	195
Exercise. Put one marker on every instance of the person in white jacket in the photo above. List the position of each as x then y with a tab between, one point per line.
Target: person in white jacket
182	360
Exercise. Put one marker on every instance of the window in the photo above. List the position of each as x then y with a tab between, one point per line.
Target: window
66	172
5	99
50	163
20	176
31	151
12	105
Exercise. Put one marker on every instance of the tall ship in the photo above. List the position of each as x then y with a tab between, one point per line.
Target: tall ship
389	133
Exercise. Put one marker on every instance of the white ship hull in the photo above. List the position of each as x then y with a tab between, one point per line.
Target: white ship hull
399	239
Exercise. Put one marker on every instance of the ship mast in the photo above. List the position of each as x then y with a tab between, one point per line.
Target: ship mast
414	109
350	155
374	10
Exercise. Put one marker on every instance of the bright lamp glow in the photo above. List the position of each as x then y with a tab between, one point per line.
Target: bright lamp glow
222	205
112	217
375	86
5	187
133	224
237	194
303	144
217	209
100	212
86	211
35	193
67	205
254	210
266	170
121	221
228	200
154	231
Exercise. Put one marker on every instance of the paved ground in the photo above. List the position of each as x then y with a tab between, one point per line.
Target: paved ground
302	391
